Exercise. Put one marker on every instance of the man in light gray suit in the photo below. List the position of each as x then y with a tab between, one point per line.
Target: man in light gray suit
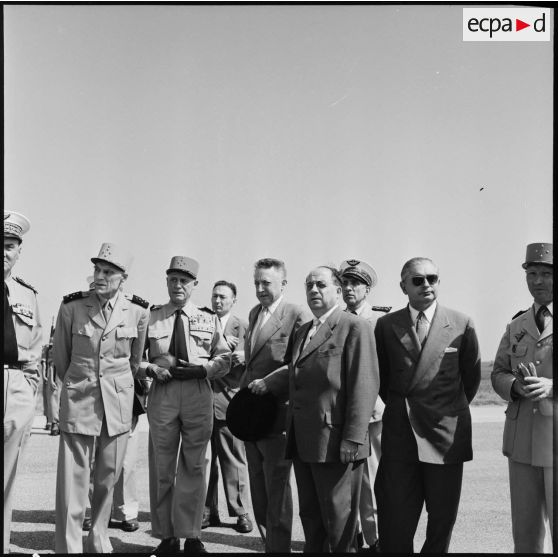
270	325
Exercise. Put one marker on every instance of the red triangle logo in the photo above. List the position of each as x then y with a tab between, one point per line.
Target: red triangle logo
519	25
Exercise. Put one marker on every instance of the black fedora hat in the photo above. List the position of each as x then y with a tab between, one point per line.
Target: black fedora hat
250	417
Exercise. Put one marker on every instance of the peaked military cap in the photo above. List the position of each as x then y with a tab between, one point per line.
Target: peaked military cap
184	265
359	270
250	417
538	253
114	255
15	225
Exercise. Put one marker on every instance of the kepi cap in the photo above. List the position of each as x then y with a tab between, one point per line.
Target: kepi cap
15	224
250	417
184	265
359	270
538	253
114	255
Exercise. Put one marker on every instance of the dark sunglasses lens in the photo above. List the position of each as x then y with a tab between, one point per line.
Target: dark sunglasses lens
418	281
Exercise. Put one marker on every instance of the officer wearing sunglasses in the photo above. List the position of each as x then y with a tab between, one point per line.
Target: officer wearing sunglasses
429	372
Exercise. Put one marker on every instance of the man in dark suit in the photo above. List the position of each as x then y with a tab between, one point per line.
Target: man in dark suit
332	383
429	373
269	326
225	447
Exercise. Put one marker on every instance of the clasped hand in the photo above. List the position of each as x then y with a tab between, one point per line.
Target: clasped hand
187	371
532	386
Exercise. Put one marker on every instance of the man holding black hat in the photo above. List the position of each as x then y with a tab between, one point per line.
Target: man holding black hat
22	353
186	350
270	325
523	376
98	345
358	278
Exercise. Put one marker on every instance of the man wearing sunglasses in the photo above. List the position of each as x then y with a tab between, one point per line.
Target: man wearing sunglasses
430	370
522	375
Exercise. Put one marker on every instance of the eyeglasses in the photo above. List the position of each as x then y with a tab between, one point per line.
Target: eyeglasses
419	280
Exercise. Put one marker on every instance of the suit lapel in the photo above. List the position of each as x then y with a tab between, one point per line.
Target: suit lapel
119	312
437	340
321	336
270	327
301	335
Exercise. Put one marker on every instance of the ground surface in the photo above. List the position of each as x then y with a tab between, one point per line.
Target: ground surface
483	524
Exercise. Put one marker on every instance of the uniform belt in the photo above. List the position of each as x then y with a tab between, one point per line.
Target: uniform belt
17	366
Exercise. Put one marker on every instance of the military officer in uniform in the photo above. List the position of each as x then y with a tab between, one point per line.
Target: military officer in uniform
22	354
523	376
358	279
186	350
98	345
51	389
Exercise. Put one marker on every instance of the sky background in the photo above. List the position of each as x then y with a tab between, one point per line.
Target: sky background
312	134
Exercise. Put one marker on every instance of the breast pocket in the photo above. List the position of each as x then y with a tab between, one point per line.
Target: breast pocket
278	348
124	338
159	341
201	344
82	338
24	329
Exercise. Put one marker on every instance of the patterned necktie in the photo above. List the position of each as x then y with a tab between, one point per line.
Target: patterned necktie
422	328
10	339
177	346
311	332
540	318
260	322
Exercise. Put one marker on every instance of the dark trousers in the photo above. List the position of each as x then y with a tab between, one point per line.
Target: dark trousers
270	488
328	499
401	489
230	452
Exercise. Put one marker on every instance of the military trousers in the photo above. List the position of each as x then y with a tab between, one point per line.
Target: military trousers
180	417
19	409
531	491
75	456
368	512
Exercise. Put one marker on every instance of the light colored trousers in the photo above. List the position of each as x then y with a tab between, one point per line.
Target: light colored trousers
368	508
531	490
180	417
19	409
75	455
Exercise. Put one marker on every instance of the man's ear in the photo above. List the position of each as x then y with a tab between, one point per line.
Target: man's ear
402	285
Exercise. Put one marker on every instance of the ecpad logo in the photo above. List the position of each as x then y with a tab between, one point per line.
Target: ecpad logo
506	24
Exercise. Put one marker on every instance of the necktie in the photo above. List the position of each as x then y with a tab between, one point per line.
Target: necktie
262	318
540	318
354	312
177	345
422	328
107	311
10	339
312	331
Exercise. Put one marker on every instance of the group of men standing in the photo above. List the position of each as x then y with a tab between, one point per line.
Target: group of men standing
362	472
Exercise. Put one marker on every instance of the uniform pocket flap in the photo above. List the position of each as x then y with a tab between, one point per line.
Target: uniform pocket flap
159	333
329	352
83	329
518	350
126	332
125	381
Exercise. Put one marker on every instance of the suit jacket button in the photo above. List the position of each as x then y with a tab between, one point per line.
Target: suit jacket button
535	410
104	338
537	361
102	356
100	374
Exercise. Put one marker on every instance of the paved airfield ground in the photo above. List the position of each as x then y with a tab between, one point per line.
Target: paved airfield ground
483	524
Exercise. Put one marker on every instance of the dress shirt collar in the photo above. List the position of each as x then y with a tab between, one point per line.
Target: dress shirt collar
428	313
323	318
272	307
111	301
223	320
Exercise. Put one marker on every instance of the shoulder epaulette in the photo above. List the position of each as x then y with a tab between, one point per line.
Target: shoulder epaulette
139	301
156	307
75	296
25	284
519	313
206	309
385	309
